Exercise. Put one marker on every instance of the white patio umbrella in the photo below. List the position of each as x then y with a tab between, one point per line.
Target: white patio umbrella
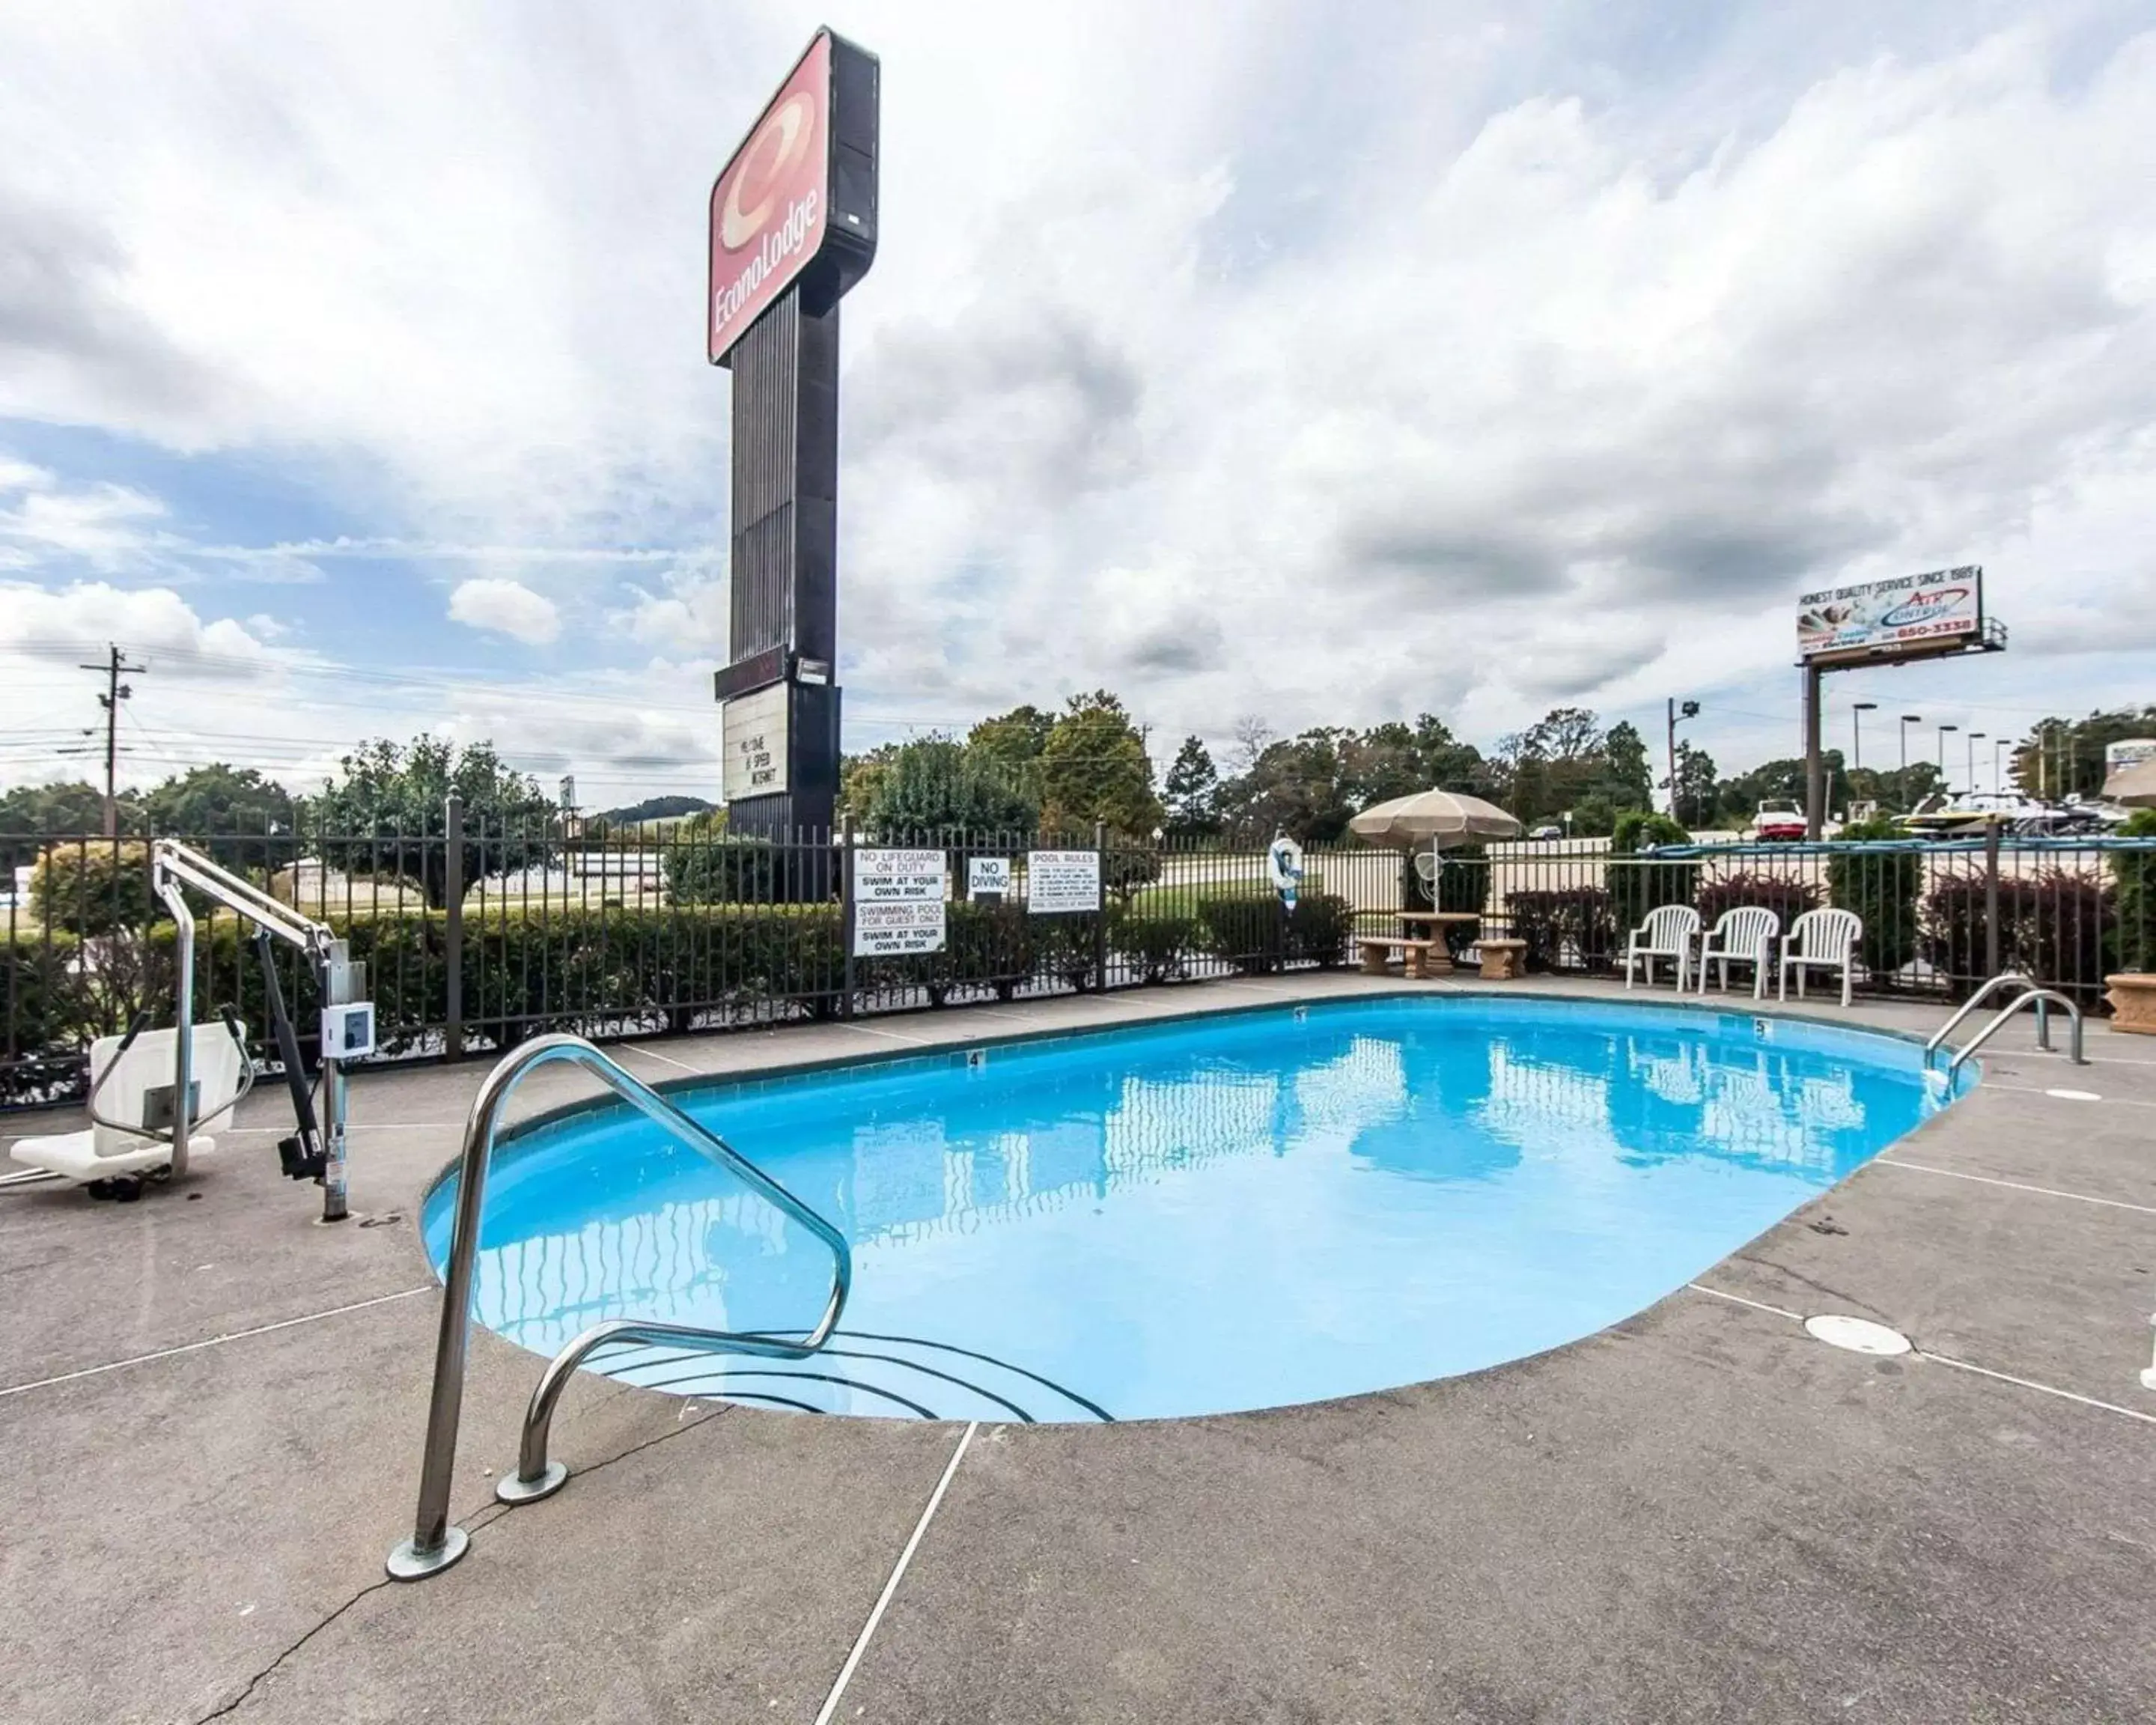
1428	821
1435	819
2133	786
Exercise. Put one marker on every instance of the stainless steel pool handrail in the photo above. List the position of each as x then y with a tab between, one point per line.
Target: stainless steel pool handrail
536	1476
435	1543
2042	998
1938	1037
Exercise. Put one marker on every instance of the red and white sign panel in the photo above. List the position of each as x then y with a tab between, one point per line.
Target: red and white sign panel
770	206
1877	617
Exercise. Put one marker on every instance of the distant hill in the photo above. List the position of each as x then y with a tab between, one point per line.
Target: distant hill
656	809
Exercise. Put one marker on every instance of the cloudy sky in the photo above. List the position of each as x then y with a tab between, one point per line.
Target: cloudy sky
1311	364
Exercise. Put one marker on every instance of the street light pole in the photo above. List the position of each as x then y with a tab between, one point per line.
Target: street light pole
1999	747
1974	738
1856	731
1908	720
1944	729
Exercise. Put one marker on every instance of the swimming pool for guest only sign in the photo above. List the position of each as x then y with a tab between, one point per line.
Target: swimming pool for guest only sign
898	902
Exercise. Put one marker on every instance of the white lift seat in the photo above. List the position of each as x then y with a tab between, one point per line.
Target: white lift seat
101	1151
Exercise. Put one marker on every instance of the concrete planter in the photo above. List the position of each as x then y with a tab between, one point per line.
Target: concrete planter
2133	1000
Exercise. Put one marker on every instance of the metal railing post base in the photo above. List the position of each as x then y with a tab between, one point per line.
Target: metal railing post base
407	1563
515	1488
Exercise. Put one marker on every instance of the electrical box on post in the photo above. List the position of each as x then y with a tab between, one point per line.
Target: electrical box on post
348	1030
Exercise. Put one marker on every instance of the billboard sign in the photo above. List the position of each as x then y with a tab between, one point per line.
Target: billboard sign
801	190
753	735
1884	619
898	902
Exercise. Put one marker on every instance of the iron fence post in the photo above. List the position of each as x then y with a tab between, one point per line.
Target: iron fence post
1100	909
1991	898
846	914
453	927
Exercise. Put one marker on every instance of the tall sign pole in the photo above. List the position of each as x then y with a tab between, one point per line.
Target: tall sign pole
792	227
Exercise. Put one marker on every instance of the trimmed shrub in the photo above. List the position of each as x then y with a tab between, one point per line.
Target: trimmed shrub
1573	927
1636	888
1321	929
44	1018
1788	899
721	870
1156	945
2134	946
2051	925
94	887
1881	886
1067	945
1249	930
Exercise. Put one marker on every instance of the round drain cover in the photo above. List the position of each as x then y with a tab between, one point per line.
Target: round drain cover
1859	1335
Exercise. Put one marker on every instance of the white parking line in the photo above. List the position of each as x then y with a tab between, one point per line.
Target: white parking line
1739	1300
1922	1167
139	1359
898	1571
664	1060
888	1035
1946	1359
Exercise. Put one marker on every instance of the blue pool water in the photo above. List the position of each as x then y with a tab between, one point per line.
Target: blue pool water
1233	1212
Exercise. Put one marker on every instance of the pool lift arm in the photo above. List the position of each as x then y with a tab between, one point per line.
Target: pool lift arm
317	1152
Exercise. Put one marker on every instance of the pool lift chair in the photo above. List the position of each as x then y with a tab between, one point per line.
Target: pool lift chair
139	1129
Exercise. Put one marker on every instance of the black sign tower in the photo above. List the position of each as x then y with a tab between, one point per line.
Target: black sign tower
793	226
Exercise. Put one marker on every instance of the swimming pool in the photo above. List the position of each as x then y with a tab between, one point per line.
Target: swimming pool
1236	1211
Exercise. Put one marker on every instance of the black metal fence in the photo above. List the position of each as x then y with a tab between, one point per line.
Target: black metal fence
478	934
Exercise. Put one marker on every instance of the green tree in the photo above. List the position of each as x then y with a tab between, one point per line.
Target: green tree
56	811
1193	787
1094	767
2066	756
1693	799
936	787
1626	781
234	811
860	775
384	813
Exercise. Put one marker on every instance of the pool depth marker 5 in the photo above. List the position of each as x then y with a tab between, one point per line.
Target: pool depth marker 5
792	227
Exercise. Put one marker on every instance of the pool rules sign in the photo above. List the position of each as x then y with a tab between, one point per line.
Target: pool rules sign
898	902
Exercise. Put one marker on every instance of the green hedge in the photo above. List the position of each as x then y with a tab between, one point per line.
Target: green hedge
2134	949
528	971
1639	887
1258	935
94	887
1881	886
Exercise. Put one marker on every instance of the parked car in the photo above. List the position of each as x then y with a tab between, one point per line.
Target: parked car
1546	832
1779	823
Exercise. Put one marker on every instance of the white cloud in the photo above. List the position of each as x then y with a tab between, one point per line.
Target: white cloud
1311	367
507	607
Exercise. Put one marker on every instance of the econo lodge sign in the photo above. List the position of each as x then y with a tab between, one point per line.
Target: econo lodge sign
771	204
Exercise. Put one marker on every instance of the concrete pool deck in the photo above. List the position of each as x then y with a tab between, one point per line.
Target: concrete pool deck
211	1410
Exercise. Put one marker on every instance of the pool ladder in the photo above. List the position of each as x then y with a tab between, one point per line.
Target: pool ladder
435	1543
2030	990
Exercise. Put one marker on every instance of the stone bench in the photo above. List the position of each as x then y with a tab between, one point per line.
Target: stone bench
1377	948
1503	961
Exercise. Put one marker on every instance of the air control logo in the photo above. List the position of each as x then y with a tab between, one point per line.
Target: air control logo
1939	602
769	205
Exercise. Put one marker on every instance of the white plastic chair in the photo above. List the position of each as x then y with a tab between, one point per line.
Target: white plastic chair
218	1069
1668	933
1822	940
1746	935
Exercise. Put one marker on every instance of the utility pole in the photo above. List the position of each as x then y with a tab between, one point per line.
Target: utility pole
115	691
1691	711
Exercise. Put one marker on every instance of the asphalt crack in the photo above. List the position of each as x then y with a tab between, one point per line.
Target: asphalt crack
486	1516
